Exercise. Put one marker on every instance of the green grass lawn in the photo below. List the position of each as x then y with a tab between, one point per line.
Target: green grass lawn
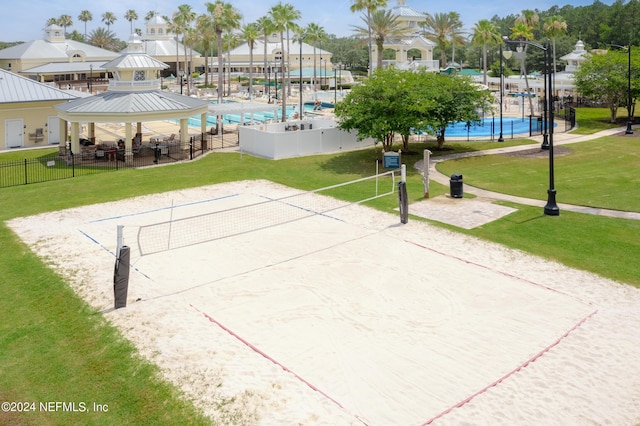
54	347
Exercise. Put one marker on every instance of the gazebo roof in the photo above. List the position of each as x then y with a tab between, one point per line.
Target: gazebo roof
130	106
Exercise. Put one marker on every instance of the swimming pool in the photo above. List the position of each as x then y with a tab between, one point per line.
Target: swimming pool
260	117
490	126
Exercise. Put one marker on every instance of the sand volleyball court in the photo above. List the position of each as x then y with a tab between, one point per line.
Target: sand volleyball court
349	317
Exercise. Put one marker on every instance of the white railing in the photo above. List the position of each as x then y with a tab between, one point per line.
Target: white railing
134	85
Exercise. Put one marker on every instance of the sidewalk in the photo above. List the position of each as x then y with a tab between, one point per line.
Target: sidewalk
471	212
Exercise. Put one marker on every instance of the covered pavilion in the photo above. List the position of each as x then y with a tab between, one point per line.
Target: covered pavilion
134	95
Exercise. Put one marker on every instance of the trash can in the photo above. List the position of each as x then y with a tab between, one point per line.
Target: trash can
455	186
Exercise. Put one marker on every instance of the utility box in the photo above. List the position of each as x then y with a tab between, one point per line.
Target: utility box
455	186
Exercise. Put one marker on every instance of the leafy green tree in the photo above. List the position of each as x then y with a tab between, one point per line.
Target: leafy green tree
85	16
605	78
393	102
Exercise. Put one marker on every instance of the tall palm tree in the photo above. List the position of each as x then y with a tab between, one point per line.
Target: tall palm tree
185	16
266	27
370	6
231	40
65	21
108	18
284	17
443	29
131	15
250	34
150	15
383	25
51	21
205	36
485	32
175	28
223	17
554	27
85	16
523	30
314	34
288	14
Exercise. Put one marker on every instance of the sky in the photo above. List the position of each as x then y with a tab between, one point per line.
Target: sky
27	22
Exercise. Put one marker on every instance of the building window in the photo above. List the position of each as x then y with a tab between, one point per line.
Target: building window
159	30
138	76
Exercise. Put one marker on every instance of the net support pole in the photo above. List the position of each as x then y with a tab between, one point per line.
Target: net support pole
425	172
119	241
403	201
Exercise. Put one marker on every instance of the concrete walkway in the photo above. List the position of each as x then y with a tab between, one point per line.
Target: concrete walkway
445	207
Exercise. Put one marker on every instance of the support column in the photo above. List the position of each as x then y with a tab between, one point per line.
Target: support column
184	130
128	144
75	137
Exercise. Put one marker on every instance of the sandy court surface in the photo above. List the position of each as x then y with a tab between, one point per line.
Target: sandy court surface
331	320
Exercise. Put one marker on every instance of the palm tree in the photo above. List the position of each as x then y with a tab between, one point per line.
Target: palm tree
250	33
288	14
85	16
223	17
383	25
65	21
443	29
52	21
523	30
108	19
150	15
185	16
283	17
485	32
131	15
370	6
315	33
205	35
266	27
554	27
174	27
103	38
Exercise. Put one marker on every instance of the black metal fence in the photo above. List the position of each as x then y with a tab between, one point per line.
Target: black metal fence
102	158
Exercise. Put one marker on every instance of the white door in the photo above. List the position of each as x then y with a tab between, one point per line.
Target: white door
53	130
14	133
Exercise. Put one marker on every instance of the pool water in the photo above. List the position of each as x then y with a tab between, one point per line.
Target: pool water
260	117
491	127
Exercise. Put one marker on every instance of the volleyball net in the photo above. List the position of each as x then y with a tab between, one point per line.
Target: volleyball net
188	231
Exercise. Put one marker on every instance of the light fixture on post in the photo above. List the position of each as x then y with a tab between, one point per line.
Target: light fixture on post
91	79
551	208
500	138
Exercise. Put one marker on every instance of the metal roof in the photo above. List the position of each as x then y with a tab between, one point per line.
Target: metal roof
54	50
294	48
132	103
65	68
15	88
136	61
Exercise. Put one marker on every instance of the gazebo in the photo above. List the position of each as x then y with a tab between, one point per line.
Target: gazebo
134	95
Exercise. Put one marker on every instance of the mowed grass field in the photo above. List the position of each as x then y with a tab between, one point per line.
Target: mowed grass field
55	348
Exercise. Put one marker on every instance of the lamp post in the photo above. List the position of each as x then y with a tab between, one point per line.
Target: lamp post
325	71
629	130
91	79
335	86
551	208
269	83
